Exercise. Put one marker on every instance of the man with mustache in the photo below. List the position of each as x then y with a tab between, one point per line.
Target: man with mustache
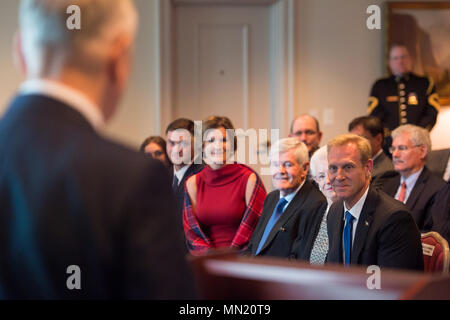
366	226
415	185
289	210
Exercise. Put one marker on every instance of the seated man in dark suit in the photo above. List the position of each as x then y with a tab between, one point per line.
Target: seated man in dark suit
289	210
180	148
81	217
366	227
415	185
371	129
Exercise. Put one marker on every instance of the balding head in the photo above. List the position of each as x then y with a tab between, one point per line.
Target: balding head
94	60
306	129
48	44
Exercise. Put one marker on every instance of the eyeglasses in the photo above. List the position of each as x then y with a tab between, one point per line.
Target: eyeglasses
307	132
400	148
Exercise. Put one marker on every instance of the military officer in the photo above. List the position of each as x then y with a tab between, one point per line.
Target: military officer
404	97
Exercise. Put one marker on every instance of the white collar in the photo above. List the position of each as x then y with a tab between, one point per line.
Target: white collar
355	211
377	155
291	195
70	96
180	173
412	179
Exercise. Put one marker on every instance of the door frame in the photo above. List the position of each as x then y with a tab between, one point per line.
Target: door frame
282	58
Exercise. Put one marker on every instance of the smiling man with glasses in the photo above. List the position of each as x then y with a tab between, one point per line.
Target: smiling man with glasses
415	185
306	129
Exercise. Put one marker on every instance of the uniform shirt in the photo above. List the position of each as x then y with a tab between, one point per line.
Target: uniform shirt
401	100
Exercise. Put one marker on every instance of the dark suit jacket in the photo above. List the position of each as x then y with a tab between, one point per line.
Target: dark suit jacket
421	198
294	221
383	169
386	234
70	197
441	212
179	196
437	161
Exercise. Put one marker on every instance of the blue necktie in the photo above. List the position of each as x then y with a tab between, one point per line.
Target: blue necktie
273	219
348	237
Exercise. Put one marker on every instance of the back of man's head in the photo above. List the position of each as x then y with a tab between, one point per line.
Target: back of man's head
370	124
48	43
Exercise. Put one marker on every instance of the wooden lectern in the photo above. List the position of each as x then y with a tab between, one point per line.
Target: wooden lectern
227	275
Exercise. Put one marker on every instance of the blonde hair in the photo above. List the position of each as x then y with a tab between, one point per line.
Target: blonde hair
361	143
47	40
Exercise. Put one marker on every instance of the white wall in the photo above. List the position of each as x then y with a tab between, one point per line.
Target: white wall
135	118
10	78
337	60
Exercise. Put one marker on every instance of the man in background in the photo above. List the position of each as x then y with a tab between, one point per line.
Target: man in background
403	98
371	129
180	148
307	130
415	185
81	217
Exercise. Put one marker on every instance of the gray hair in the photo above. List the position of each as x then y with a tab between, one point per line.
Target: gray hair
318	156
43	25
418	135
283	145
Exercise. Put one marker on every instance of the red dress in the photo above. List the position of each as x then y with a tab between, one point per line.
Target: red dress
221	202
222	218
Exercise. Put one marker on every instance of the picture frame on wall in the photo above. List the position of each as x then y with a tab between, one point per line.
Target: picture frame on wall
424	28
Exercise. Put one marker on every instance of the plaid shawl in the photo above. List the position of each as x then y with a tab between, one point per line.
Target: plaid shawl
198	243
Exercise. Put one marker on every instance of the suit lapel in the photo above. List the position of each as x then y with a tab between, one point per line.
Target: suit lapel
392	185
418	189
293	207
364	223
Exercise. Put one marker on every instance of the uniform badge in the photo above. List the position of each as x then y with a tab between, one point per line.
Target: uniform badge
392	98
412	99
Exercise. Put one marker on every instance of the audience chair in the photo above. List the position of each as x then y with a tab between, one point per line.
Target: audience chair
436	255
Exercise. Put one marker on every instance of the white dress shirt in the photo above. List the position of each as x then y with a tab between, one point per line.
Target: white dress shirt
71	97
355	211
180	173
291	195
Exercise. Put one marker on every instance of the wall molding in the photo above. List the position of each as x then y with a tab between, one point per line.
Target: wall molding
282	56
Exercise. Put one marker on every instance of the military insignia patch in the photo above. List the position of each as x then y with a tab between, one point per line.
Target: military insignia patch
412	99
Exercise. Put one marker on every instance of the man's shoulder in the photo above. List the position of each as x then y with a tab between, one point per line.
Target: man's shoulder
313	193
431	180
386	207
383	81
414	77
